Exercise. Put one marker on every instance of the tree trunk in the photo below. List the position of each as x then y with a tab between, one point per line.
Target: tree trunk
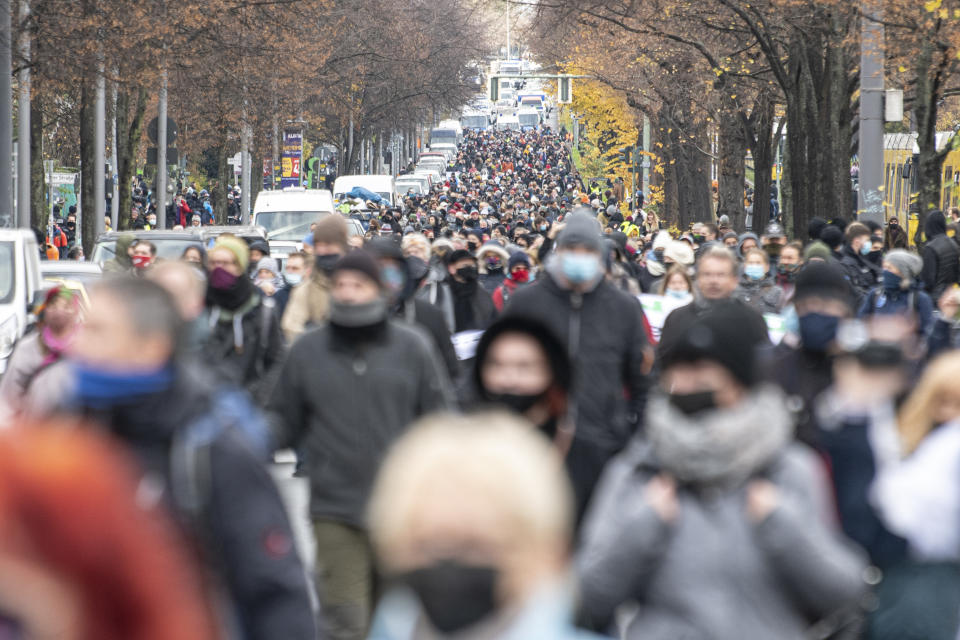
128	135
223	179
760	137
732	149
88	203
929	162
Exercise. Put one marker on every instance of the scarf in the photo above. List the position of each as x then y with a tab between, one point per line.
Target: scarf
233	298
722	446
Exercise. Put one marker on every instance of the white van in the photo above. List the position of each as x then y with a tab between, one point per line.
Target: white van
287	214
529	119
382	185
508	123
20	287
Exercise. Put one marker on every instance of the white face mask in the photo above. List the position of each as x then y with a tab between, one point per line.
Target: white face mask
678	294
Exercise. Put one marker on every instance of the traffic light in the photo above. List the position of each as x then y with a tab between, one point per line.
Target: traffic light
625	155
494	89
564	90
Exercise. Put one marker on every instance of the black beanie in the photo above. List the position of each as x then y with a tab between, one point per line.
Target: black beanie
818	279
815	228
362	261
832	236
556	352
724	334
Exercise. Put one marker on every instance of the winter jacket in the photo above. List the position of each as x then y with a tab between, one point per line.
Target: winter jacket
913	301
239	523
764	296
341	404
246	352
430	319
307	306
941	261
505	291
802	375
682	318
472	306
604	331
714	573
34	381
862	274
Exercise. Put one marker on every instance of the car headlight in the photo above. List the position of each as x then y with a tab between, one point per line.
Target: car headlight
8	336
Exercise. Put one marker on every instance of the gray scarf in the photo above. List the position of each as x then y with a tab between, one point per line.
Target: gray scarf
720	446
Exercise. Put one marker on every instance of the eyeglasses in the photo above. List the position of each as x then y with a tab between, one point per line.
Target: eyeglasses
221	263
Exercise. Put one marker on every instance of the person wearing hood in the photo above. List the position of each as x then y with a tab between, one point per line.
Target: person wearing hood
745	242
345	393
757	288
894	236
202	448
802	364
655	266
122	262
900	293
309	304
730	239
519	276
401	278
267	278
941	257
606	334
523	368
245	345
492	260
716	487
259	250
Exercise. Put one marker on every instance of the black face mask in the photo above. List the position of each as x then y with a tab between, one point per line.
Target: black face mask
326	262
467	274
454	595
521	403
693	403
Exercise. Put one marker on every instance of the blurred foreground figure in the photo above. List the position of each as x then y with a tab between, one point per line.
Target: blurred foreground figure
471	519
80	559
201	449
716	523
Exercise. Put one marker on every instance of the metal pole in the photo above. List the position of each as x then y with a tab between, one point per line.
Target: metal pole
100	150
114	169
245	173
6	116
23	134
161	195
508	31
870	200
646	146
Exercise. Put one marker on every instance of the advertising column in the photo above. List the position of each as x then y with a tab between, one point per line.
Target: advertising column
291	158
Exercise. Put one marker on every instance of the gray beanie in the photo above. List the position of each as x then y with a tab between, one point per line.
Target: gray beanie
908	264
268	264
581	231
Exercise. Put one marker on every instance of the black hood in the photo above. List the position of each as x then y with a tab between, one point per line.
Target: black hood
936	225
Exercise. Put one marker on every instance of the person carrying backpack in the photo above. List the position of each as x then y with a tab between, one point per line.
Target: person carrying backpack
900	292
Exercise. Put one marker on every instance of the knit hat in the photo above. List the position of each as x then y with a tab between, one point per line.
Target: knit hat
556	352
236	246
723	335
581	231
908	264
680	252
266	263
457	255
662	240
261	246
361	261
518	257
817	250
815	227
822	280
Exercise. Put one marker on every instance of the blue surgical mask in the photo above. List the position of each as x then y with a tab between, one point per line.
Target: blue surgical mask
866	248
791	323
679	294
579	268
891	281
293	279
818	330
101	389
393	278
754	271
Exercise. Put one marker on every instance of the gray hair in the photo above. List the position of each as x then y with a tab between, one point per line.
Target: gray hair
716	252
149	308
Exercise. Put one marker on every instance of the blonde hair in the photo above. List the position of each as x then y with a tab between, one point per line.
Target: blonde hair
490	458
916	417
417	245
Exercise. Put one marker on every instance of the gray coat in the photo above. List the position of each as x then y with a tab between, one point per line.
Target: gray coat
341	405
713	574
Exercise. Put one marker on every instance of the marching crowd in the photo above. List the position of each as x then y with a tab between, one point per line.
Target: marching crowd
498	443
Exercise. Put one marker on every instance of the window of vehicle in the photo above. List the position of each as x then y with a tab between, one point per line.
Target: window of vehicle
529	119
167	248
474	122
287	225
7	272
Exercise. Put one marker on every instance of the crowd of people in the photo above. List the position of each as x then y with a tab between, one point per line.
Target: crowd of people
497	440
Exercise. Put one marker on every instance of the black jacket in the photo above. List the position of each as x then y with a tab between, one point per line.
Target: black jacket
341	404
430	319
941	258
606	338
862	274
240	511
472	305
682	318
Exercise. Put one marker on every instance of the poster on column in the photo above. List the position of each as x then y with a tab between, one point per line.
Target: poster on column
291	159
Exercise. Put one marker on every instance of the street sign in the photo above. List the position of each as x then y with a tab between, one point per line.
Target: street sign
152	131
172	157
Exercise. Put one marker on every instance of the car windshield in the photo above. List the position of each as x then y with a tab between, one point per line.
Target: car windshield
529	119
167	248
287	225
6	272
439	136
474	122
83	277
